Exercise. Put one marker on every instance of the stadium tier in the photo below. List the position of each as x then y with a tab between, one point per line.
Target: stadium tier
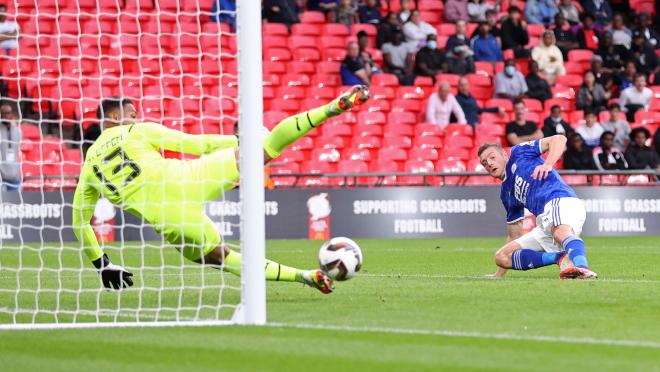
180	67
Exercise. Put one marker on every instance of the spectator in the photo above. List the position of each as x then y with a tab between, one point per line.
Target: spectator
456	10
281	11
538	87
405	11
223	11
541	11
521	130
627	78
386	29
416	30
369	12
564	36
590	130
635	97
618	126
549	57
578	156
363	44
587	36
469	104
491	19
510	83
10	146
646	61
596	67
621	35
607	156
485	45
346	13
569	11
600	9
459	38
613	56
429	60
8	31
555	124
514	33
650	35
460	61
397	57
441	105
328	6
591	96
638	155
354	70
477	9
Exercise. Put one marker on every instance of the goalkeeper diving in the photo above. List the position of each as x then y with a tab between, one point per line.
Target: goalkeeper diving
125	166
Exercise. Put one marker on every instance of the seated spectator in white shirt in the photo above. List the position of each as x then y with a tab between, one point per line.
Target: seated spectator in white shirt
618	126
607	156
8	31
590	130
635	97
416	30
441	105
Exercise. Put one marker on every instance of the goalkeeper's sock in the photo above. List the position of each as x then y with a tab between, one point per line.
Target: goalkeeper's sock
274	270
293	128
527	259
576	250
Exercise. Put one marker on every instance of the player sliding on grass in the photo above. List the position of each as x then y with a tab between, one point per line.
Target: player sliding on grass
530	182
126	167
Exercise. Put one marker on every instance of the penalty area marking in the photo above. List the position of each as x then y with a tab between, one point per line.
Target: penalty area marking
482	335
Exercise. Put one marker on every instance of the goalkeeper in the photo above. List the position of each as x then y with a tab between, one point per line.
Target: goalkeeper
125	166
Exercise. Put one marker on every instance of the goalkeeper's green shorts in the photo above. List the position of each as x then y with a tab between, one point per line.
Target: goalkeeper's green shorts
180	215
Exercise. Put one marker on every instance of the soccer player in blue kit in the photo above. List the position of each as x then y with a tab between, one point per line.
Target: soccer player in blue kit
530	182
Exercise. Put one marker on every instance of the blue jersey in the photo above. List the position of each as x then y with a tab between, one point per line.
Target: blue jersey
520	190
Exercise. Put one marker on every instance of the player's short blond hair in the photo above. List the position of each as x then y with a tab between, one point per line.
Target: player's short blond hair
486	146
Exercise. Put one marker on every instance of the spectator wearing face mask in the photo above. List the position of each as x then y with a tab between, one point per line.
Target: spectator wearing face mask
429	60
510	83
607	156
555	124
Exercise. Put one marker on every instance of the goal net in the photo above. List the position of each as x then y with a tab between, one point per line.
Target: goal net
178	61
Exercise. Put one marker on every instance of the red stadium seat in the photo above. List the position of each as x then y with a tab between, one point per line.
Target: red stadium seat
500	102
452	79
323	93
423	81
329	155
415	92
385	80
428	129
449	165
533	105
565	104
284	169
312	17
334	54
423	153
332	130
462	153
376	105
460	130
419	167
368	130
334	29
331	42
396	140
371	118
392	154
429	141
356	154
366	142
313	167
400	128
305	29
275	29
277	54
351	167
580	55
408	105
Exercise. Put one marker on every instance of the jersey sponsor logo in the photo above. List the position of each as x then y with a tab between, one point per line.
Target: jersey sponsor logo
520	189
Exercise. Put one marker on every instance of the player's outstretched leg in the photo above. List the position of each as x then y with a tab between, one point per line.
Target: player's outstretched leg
295	127
576	250
231	262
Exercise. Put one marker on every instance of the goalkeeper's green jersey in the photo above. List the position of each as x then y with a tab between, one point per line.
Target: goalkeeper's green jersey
125	165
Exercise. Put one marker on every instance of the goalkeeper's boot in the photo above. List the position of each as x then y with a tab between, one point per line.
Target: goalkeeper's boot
355	96
319	280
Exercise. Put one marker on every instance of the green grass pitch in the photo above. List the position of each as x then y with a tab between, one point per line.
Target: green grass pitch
417	305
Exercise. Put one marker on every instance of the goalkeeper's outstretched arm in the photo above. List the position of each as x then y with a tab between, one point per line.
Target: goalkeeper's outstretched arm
84	202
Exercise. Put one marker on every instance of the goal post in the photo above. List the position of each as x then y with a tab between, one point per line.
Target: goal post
250	106
182	69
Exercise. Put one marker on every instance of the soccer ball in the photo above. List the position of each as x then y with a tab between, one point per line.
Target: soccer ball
340	258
